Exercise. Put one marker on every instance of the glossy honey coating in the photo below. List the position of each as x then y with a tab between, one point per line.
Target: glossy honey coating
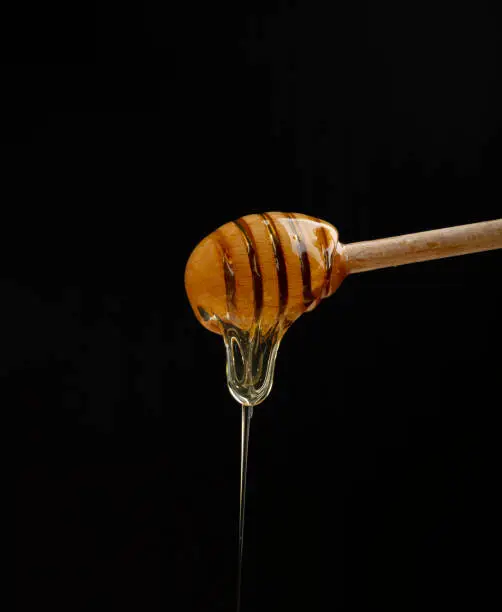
263	269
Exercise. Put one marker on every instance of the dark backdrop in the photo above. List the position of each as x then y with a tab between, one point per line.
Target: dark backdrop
133	132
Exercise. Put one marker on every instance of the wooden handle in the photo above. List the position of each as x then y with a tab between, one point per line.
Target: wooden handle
423	246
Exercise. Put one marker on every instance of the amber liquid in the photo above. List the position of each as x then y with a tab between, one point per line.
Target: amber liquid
251	350
247	413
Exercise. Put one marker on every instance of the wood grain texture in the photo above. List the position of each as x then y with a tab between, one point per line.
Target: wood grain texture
263	269
423	246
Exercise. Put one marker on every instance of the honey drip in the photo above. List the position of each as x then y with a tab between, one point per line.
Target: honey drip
251	357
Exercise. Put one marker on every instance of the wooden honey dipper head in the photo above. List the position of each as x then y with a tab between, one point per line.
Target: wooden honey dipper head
251	278
263	270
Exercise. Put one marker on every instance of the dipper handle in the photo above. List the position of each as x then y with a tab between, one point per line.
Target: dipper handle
423	246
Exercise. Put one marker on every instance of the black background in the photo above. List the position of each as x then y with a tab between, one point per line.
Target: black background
133	132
